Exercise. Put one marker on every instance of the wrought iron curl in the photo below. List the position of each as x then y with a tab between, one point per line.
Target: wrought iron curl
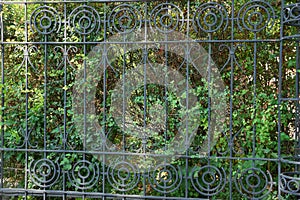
45	20
256	16
85	20
123	176
227	149
166	18
290	182
124	19
26	55
291	15
208	180
84	174
44	172
65	57
253	183
165	178
241	150
210	17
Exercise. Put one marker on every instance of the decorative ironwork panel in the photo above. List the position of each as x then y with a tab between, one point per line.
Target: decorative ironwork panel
149	99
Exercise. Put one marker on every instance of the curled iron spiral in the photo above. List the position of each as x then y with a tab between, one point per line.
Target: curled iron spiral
253	183
124	19
208	180
85	20
84	174
256	16
210	17
166	18
291	15
44	172
45	20
290	182
165	178
123	176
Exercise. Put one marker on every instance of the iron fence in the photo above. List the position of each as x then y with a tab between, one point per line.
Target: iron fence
149	99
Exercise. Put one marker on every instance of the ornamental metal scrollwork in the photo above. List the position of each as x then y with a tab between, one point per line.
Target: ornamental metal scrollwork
253	183
84	174
291	15
85	20
208	180
166	18
165	178
123	176
45	20
26	55
290	182
44	172
256	16
124	19
65	58
210	17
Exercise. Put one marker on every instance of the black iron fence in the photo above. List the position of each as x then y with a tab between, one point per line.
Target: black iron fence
149	99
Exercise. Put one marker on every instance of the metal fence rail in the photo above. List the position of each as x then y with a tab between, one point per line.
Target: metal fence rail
149	99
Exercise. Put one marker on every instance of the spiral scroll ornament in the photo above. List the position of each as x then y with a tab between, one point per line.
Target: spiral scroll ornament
210	17
290	182
165	178
291	15
85	20
166	18
44	172
65	58
123	176
84	174
125	19
256	16
253	183
45	20
208	180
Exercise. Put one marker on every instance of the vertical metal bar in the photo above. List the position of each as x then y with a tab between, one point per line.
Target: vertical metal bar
26	112
104	99
84	101
254	100
209	101
280	96
2	96
84	96
45	96
144	145
297	152
65	56
187	75
297	122
124	96
166	102
124	101
145	59
45	102
231	98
